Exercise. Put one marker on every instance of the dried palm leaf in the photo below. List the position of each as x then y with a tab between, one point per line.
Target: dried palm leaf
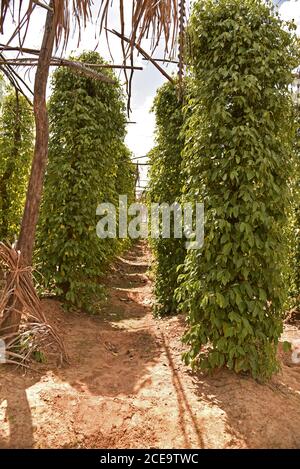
19	285
150	18
155	19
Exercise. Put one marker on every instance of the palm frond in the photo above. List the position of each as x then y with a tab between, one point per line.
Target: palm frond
19	285
150	18
154	19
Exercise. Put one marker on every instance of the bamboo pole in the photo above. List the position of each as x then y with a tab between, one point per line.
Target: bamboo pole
143	52
62	63
163	60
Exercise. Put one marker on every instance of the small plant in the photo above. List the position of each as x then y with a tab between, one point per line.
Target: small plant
39	356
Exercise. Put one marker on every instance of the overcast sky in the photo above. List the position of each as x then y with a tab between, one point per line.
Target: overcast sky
145	83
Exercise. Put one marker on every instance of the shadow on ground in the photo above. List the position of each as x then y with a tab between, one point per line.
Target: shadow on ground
107	360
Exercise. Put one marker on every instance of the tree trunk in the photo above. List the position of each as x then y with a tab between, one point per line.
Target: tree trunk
35	187
12	315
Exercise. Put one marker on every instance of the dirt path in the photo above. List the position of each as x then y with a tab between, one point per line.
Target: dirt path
127	387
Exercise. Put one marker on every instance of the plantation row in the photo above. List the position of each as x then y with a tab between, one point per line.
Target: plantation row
231	143
89	163
227	138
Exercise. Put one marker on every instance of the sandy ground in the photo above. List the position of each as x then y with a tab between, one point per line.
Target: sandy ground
126	386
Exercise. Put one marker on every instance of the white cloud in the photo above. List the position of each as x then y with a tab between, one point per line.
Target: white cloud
140	135
290	10
145	83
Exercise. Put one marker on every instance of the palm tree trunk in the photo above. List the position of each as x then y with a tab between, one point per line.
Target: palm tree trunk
39	163
12	314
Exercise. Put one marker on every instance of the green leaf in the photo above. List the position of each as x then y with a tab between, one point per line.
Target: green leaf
286	346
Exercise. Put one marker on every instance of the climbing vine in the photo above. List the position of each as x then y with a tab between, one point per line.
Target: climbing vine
165	187
88	164
16	149
237	157
293	227
297	212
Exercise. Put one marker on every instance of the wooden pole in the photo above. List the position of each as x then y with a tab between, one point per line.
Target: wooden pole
163	60
144	53
63	63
